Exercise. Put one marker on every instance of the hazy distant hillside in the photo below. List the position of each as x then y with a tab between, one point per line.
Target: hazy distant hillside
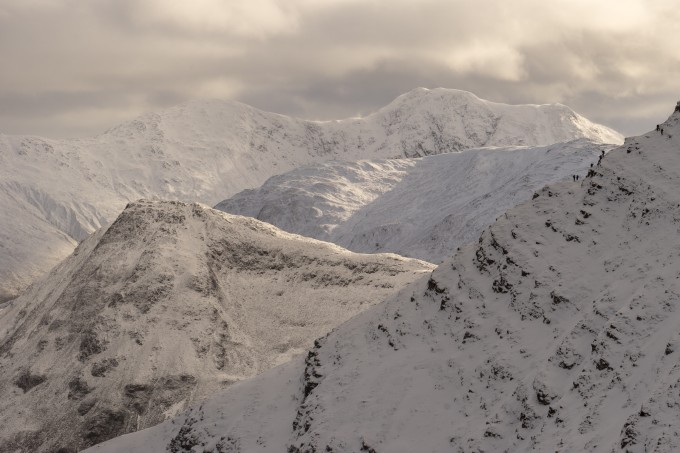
55	192
556	331
423	208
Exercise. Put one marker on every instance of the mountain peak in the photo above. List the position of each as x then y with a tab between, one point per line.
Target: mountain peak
675	116
169	304
489	123
669	127
457	95
439	91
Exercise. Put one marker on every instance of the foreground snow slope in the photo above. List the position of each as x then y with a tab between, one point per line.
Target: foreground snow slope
53	193
423	208
556	331
171	303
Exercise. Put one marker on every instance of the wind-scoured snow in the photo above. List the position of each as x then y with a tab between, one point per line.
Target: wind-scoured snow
423	208
53	193
169	304
556	331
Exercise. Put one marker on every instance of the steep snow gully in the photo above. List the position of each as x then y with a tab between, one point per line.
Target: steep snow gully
556	331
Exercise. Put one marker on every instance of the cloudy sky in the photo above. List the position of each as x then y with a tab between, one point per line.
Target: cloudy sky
78	67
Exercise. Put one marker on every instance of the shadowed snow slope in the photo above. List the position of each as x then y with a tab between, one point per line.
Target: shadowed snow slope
556	331
171	303
423	208
55	192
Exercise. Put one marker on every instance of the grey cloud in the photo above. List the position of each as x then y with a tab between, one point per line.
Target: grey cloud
48	103
360	91
328	60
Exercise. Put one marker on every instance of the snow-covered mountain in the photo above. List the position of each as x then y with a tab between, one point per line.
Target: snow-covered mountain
423	208
53	193
556	331
169	304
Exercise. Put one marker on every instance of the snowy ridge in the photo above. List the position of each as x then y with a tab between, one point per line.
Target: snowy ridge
459	120
58	191
169	304
556	331
423	208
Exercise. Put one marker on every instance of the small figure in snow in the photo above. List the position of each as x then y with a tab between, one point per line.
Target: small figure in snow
657	127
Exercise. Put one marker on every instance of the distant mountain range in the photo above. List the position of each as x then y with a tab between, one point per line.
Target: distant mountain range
556	330
53	193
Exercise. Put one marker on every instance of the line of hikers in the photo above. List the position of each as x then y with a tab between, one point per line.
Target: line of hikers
591	172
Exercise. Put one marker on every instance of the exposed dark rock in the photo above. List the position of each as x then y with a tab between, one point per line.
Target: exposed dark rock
432	285
444	303
90	345
501	285
137	397
104	425
482	259
628	434
26	381
367	448
115	300
85	406
99	369
22	441
543	397
602	364
42	344
469	336
185	440
169	390
311	375
78	388
567	365
557	299
66	450
228	445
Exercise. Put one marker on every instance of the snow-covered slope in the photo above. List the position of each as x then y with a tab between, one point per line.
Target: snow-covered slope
556	331
171	303
423	208
58	191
